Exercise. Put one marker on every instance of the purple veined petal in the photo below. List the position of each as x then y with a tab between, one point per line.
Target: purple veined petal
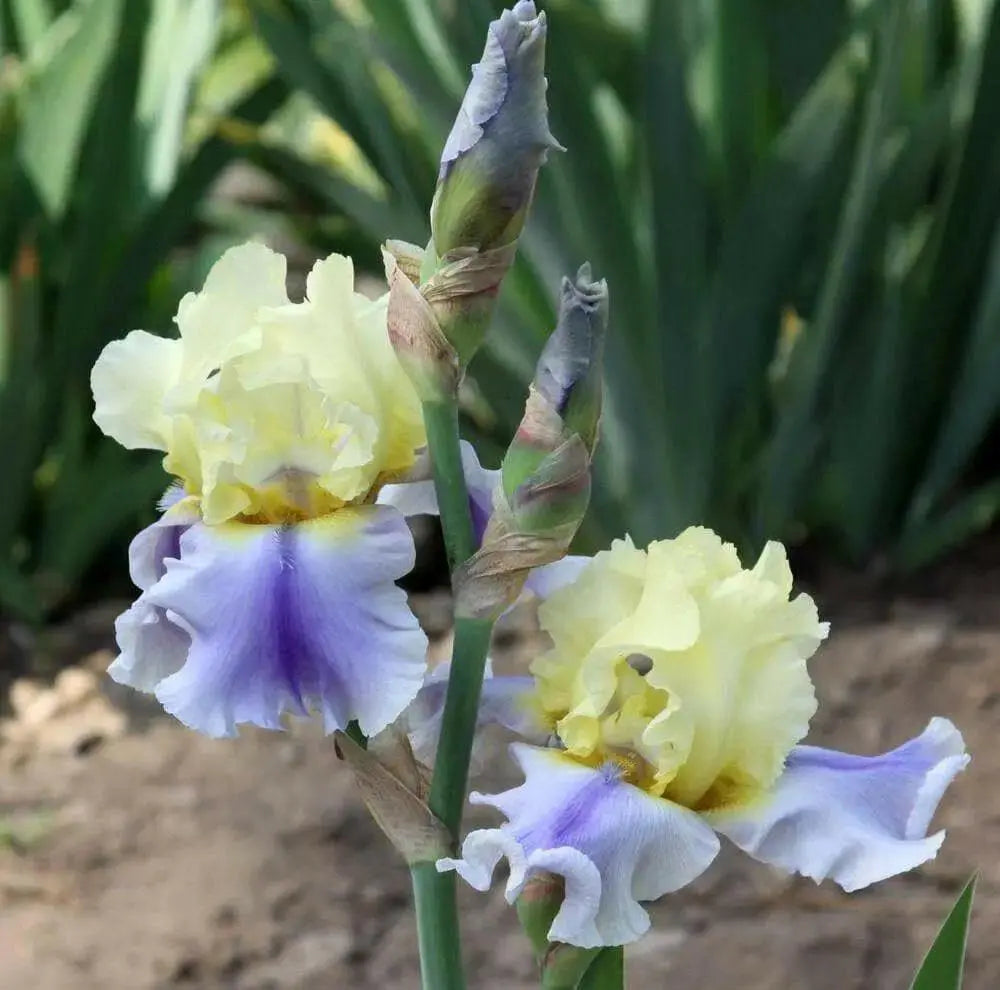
416	498
504	701
161	541
150	646
614	844
855	819
293	619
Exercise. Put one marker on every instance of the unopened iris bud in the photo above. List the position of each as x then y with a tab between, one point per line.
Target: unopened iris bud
537	908
441	300
499	140
545	475
564	402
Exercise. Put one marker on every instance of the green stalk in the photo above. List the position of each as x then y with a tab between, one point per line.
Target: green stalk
607	971
441	422
433	892
437	928
458	726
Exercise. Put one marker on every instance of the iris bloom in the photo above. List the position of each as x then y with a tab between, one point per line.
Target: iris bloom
676	695
268	583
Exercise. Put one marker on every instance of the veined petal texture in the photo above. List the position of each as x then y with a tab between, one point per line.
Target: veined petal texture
416	498
613	844
855	819
505	701
282	618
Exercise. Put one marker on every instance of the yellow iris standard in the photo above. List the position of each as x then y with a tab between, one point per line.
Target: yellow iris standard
267	410
681	667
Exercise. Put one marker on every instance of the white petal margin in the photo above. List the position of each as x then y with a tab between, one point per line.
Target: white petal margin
416	498
614	844
854	819
293	619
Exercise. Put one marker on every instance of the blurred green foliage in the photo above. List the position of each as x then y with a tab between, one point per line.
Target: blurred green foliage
795	203
109	139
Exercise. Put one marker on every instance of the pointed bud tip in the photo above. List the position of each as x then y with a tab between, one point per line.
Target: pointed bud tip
521	25
568	376
584	292
577	341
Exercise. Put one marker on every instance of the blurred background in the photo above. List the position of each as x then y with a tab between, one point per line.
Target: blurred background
795	203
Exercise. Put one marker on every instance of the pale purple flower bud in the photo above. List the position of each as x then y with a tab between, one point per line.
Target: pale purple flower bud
565	399
499	140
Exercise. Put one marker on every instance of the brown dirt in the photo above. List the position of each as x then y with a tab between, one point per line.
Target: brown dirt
163	860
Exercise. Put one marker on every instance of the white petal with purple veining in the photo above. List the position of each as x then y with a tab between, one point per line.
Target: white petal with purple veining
159	542
150	646
614	844
504	701
416	498
293	618
855	819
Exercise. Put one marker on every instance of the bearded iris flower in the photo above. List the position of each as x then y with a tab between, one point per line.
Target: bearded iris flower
676	694
268	583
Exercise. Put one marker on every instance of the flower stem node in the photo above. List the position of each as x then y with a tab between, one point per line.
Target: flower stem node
424	351
437	326
391	786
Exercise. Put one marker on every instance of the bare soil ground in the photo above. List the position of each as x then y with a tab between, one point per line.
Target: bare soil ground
135	855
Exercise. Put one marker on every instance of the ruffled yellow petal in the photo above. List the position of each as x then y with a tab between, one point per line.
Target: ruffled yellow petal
130	381
221	319
271	410
679	659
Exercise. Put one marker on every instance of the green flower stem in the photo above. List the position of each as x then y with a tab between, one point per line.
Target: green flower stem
433	892
607	972
441	422
458	725
437	928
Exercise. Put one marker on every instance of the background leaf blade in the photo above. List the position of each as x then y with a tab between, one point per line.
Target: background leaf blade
944	963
